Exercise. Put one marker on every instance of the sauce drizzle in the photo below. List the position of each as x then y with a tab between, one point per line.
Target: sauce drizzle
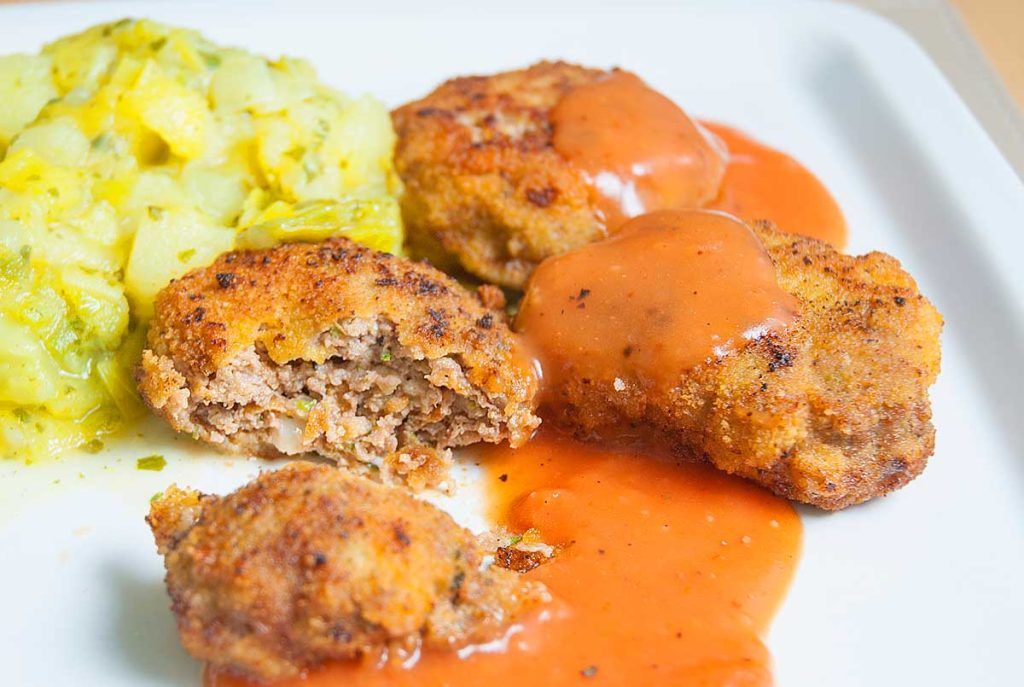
639	151
670	290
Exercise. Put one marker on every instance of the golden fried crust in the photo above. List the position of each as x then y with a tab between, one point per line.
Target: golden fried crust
832	412
482	180
306	564
282	299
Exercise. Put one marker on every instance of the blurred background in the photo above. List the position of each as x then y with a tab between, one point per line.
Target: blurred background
979	44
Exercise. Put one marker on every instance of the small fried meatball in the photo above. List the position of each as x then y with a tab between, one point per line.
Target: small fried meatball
308	563
369	359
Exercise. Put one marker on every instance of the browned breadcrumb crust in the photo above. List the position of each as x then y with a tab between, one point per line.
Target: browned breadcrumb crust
520	560
832	412
373	360
307	563
483	184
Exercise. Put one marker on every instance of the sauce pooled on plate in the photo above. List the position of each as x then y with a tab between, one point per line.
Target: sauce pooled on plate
762	183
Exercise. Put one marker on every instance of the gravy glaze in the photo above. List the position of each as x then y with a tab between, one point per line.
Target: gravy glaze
638	150
665	574
670	290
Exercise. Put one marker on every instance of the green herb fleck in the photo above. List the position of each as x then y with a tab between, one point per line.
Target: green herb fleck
155	497
305	404
22	414
385	356
155	462
516	538
93	446
102	142
186	255
311	166
321	128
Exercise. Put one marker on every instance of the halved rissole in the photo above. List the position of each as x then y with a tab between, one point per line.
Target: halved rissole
307	564
375	361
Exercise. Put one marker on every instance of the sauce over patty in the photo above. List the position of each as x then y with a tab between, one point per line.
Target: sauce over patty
665	574
639	151
669	291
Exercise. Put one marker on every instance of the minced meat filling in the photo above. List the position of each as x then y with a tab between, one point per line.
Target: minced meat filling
373	405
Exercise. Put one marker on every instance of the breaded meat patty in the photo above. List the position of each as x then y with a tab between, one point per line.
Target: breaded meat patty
308	563
832	410
372	360
483	184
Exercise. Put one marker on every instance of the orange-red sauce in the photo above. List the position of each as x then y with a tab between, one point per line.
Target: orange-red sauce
639	151
670	290
763	183
668	575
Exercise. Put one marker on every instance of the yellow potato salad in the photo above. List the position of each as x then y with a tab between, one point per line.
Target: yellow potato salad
130	154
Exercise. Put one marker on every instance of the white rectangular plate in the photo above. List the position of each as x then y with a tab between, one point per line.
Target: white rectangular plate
922	587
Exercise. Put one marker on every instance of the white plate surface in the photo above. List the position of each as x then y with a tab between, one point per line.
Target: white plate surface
922	587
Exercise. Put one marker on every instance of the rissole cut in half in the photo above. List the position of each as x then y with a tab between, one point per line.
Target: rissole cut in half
372	360
307	563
